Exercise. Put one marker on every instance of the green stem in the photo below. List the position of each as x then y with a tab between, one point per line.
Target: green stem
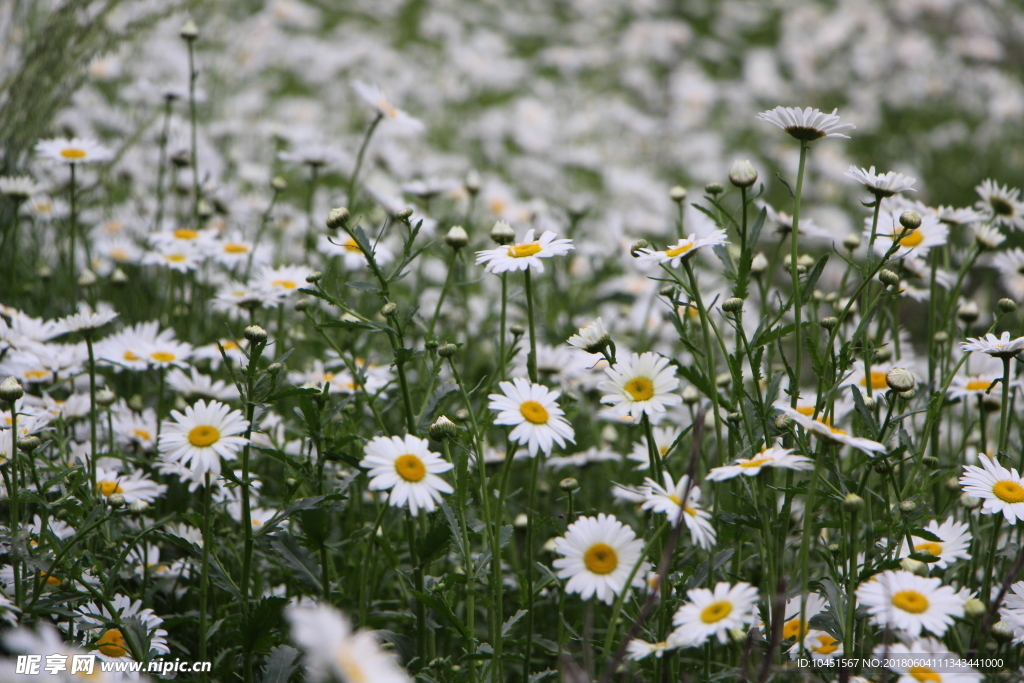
192	76
444	293
709	357
92	412
795	275
162	167
531	359
1004	409
13	489
531	495
359	161
204	570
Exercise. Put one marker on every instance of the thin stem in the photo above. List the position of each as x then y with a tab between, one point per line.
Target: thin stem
13	486
709	357
1004	409
204	570
531	359
192	76
795	275
162	167
92	412
314	175
444	293
359	161
74	232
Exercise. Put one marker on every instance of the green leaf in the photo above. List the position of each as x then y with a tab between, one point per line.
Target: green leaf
925	535
364	286
257	629
281	664
292	391
441	607
297	559
807	286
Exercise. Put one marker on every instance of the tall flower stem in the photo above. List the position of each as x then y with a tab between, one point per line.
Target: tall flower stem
461	490
1004	408
502	326
359	161
204	569
805	543
194	157
417	573
314	176
250	413
530	497
161	171
74	233
13	486
444	293
709	357
531	359
92	411
795	275
652	449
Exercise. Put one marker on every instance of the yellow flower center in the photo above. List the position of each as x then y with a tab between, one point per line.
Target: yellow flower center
50	579
827	645
877	379
923	673
978	385
836	430
109	488
175	258
524	250
910	601
1009	491
112	643
640	388
756	462
36	374
534	412
142	434
716	611
807	411
689	510
675	499
73	153
663	449
162	356
410	467
128	355
119	254
186	234
794	629
350	245
351	671
911	239
601	558
236	248
686	246
286	284
497	206
203	435
931	547
386	107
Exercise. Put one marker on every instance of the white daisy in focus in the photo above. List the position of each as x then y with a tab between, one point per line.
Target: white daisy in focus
592	337
525	254
1000	489
73	151
664	437
911	603
642	383
683	249
1002	204
198	438
713	613
533	411
926	659
375	97
333	652
131	487
881	184
769	457
808	124
597	556
953	544
406	467
668	500
825	431
999	347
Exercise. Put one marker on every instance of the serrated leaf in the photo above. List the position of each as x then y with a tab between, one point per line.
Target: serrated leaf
265	616
297	559
506	628
364	286
441	607
281	664
435	543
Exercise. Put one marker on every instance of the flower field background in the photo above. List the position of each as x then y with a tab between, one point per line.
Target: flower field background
544	341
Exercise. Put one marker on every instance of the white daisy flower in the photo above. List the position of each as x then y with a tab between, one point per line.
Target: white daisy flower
182	257
926	659
525	254
1002	490
73	151
917	242
999	347
234	251
374	96
808	124
664	437
953	544
406	467
198	438
333	652
792	627
640	649
1010	264
642	383
769	457
18	187
988	237
668	500
597	556
592	337
820	645
683	249
87	320
1012	611
96	619
830	433
1002	204
131	487
713	613
282	282
911	603
534	413
881	184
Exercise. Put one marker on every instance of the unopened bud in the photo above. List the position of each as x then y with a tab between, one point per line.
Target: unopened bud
888	278
911	220
853	503
970	502
569	485
968	312
783	421
29	443
278	184
11	390
275	368
255	334
635	248
457	237
303	305
461	415
677	194
337	218
1002	631
941	337
118	278
914	566
189	31
714	189
907	506
830	323
136	403
1007	305
472	183
742	173
900	379
389	309
314	277
404	215
447	350
442	429
908	395
517	330
758	264
690	395
851	241
116	501
138	506
87	278
502	233
105	398
974	609
732	305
